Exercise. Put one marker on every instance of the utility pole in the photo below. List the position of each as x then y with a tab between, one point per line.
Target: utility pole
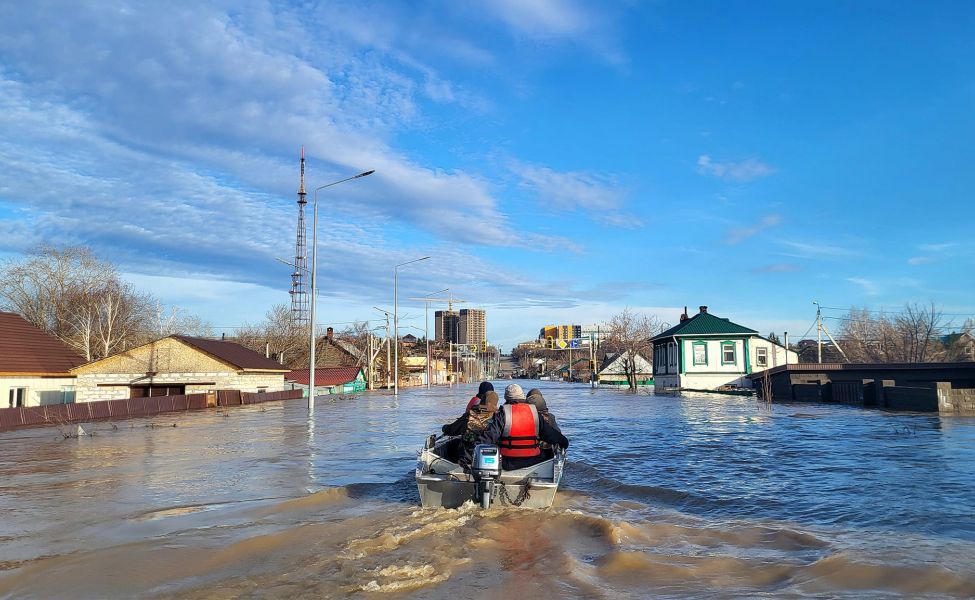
820	329
819	333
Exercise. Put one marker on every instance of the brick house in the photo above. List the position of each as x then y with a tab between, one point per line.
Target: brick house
177	365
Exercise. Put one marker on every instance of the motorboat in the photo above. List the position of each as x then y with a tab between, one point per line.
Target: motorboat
443	483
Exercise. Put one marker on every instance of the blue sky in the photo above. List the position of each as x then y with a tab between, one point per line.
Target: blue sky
559	160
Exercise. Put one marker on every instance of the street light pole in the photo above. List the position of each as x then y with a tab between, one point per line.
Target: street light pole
396	321
314	288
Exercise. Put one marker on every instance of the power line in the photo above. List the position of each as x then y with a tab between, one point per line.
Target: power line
887	312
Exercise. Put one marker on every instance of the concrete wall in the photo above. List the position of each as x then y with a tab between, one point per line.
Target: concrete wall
955	401
41	391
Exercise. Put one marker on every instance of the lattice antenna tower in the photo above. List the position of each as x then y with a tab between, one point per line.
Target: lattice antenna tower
299	296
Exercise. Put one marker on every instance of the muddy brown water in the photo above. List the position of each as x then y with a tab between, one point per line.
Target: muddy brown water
694	496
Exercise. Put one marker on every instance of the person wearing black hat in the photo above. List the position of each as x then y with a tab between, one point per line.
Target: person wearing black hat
486	386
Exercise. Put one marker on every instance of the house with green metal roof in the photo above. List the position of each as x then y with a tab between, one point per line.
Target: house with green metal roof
706	352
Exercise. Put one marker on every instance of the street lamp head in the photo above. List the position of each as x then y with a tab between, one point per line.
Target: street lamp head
364	173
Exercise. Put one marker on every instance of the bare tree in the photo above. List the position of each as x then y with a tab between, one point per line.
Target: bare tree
629	336
45	286
79	299
912	336
280	334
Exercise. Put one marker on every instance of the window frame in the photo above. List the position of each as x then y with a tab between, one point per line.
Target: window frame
761	356
694	360
12	397
734	353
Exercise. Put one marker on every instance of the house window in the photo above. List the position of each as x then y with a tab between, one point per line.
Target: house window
700	353
761	357
17	397
67	394
728	353
672	353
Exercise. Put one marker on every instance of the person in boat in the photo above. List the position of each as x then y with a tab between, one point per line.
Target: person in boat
470	425
535	398
485	387
518	430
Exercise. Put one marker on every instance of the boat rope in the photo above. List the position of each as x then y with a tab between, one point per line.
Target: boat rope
525	493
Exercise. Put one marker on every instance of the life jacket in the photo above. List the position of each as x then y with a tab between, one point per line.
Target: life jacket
521	428
473	402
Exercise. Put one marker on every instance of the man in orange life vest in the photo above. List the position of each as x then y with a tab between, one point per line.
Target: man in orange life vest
518	430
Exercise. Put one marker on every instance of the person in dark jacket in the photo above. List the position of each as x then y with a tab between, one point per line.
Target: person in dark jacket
535	397
471	424
520	440
486	386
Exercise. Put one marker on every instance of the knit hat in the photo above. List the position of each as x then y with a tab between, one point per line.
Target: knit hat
485	386
535	397
514	393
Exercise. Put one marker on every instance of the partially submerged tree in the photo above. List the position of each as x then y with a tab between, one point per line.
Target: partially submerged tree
629	336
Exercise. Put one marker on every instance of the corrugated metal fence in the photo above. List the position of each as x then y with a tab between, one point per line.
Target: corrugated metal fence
83	412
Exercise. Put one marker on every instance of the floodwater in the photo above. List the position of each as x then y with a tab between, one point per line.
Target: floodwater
693	496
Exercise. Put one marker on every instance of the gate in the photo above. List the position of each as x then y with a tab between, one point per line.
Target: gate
848	392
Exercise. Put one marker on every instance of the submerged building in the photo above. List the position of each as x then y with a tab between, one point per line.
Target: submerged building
706	352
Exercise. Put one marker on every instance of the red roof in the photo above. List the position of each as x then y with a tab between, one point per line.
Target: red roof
25	349
234	354
325	376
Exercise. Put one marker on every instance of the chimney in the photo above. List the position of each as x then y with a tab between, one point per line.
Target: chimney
684	317
329	333
704	310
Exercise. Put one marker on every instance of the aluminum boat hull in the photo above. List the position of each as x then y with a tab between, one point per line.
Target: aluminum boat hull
444	484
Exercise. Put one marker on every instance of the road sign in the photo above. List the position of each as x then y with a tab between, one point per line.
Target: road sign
562	344
575	343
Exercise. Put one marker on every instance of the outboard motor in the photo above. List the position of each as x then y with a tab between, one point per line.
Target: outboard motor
486	469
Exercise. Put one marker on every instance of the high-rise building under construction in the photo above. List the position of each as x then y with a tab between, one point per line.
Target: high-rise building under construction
445	325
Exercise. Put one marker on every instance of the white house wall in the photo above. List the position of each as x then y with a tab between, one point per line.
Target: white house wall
714	374
40	390
776	354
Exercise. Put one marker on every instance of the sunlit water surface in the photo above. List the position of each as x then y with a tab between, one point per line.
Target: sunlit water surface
693	496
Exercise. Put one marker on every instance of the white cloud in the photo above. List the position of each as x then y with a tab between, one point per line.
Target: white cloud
937	247
919	260
817	250
868	286
739	234
542	18
599	195
743	171
590	24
